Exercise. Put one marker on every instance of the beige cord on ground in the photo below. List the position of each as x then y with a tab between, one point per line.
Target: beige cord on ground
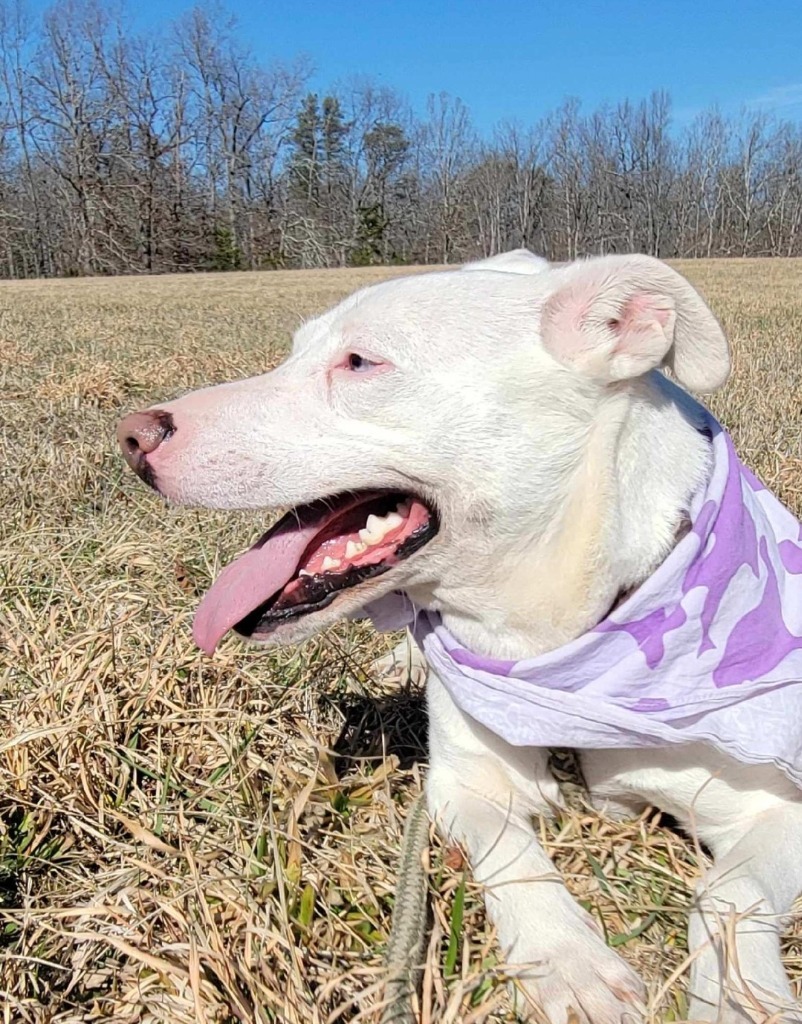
405	948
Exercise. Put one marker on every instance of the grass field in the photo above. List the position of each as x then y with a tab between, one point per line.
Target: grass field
194	840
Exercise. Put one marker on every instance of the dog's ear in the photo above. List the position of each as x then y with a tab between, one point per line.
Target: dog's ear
617	317
518	261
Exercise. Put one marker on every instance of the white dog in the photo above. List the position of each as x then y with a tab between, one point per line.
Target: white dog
493	454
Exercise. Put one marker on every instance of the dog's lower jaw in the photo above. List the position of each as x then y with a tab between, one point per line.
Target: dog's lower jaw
296	631
353	604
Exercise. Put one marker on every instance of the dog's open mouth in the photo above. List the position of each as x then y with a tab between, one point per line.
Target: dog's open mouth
312	554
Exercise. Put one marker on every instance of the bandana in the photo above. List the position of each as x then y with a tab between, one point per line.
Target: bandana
708	649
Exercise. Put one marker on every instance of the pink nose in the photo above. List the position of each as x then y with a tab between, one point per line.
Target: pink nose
141	433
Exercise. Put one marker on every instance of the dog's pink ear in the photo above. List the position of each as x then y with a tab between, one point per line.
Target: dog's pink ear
618	317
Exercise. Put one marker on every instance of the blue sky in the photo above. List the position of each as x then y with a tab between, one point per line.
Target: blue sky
518	59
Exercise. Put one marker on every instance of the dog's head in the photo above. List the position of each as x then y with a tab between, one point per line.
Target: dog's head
422	432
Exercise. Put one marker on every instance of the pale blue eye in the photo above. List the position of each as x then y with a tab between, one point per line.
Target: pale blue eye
359	364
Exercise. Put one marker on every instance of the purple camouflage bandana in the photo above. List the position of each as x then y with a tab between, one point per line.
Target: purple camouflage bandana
708	649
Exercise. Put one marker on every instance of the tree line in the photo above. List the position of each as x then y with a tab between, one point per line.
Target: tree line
177	150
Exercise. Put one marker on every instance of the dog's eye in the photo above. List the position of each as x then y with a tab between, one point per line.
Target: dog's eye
359	364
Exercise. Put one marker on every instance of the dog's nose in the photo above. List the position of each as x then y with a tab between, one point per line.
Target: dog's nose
141	433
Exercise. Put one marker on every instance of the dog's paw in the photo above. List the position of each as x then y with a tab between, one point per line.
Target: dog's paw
745	1011
767	1000
617	810
404	665
583	982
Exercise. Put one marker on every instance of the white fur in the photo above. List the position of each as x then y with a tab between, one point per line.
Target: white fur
517	261
522	400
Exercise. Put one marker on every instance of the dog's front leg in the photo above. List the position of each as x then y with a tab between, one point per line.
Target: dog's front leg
483	794
737	975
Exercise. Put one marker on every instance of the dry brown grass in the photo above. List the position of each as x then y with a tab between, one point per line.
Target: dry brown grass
194	840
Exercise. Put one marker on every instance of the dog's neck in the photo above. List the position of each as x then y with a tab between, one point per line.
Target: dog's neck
627	507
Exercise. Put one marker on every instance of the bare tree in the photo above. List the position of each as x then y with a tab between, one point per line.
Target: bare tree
176	149
447	144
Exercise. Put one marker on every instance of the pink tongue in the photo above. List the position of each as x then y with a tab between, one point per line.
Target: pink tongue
248	582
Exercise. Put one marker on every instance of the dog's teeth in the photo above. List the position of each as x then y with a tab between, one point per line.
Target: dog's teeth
373	532
330	563
352	549
304	572
377	527
375	524
403	509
